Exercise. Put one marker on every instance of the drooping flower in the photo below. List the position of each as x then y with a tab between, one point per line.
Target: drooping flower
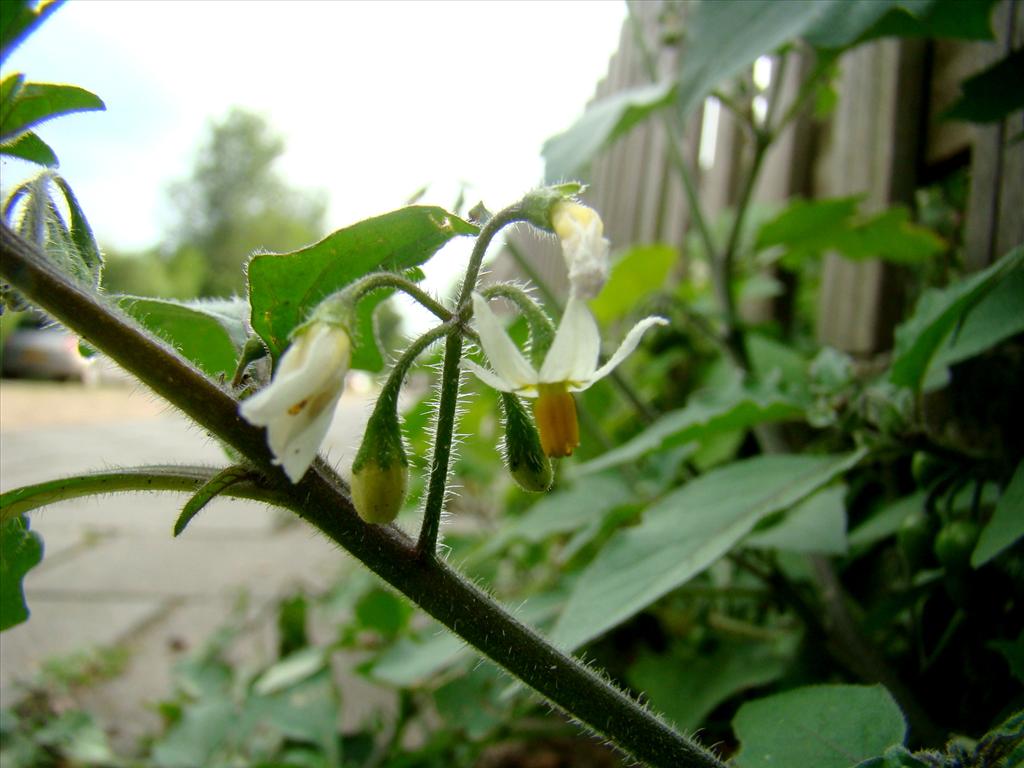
584	246
569	366
297	406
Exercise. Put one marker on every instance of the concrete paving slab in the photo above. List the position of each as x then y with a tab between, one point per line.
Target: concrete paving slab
59	626
190	566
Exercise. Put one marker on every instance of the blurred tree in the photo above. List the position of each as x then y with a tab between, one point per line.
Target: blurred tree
235	202
179	275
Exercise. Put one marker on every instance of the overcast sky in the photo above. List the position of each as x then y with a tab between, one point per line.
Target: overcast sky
375	100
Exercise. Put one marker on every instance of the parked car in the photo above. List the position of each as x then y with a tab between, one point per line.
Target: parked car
44	353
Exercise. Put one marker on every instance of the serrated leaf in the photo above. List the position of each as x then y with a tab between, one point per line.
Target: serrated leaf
839	726
937	313
206	333
716	412
30	147
641	271
1007	524
21	549
285	288
19	19
568	154
685	532
38	102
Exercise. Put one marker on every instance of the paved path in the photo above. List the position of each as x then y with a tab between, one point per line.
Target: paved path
112	574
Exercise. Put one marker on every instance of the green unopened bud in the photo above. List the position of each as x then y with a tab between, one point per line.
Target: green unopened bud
525	456
537	205
380	472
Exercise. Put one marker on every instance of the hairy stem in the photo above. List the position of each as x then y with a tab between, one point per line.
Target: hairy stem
378	280
451	380
322	499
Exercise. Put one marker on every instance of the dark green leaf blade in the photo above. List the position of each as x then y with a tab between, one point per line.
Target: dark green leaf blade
992	94
285	288
19	19
1007	523
21	549
202	332
686	686
30	147
837	726
685	532
37	102
937	313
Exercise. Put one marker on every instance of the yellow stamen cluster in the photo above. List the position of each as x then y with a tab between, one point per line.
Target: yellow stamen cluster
555	413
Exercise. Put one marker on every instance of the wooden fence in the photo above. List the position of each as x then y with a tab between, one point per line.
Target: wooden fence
883	140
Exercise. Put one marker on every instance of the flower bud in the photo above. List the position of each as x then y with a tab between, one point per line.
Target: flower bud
380	472
527	463
584	246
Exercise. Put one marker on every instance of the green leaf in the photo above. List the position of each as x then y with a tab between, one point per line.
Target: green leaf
1007	524
209	334
857	20
684	533
954	19
412	660
470	703
827	726
817	525
685	686
195	738
307	711
30	147
383	612
997	316
1013	652
291	670
20	19
807	229
564	511
38	102
886	521
714	412
21	550
568	154
937	313
992	94
285	288
641	271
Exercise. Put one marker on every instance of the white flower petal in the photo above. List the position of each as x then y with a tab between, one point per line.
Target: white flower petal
489	378
626	348
574	352
506	359
298	452
298	404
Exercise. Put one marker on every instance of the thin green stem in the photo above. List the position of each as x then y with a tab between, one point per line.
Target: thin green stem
322	499
542	330
378	280
451	380
183	479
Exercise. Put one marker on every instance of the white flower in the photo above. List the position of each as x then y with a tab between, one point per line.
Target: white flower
569	366
297	406
583	246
